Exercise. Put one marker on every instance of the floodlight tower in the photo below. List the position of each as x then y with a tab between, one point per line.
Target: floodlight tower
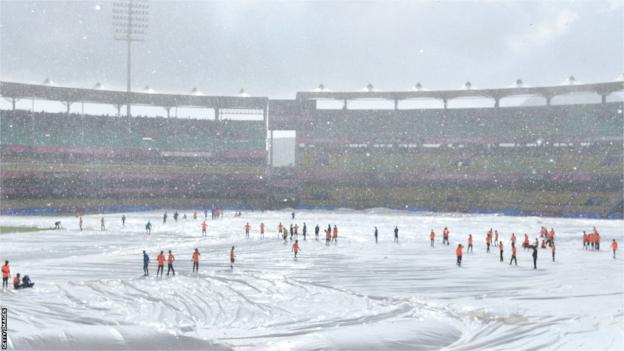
130	18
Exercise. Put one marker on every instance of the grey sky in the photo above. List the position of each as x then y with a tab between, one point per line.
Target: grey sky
275	48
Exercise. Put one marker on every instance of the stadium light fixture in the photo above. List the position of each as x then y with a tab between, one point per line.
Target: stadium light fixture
571	80
148	90
468	85
370	87
130	19
418	86
98	86
242	93
196	92
519	83
320	88
47	81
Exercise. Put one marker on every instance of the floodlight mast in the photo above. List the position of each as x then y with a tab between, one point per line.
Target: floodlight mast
130	18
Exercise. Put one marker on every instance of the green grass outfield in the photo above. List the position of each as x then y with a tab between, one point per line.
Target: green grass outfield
9	229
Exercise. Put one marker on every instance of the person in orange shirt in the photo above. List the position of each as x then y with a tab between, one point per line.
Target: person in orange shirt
16	282
459	253
247	228
432	237
204	227
590	240
445	236
6	272
295	248
161	263
513	240
585	240
525	242
232	257
195	261
552	248
513	256
470	249
614	247
170	260
335	235
327	237
262	230
488	241
280	229
597	241
501	248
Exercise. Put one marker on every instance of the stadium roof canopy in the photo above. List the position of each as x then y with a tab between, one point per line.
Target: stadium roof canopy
49	92
55	93
547	92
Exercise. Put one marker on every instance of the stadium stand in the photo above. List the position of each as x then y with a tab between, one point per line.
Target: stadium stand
58	156
560	160
555	160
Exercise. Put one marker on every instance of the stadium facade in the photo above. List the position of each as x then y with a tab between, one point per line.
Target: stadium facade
559	160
